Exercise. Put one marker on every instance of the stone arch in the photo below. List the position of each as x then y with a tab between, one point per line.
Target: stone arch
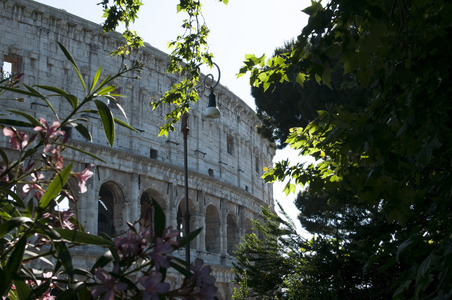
232	233
213	241
248	226
109	208
147	211
181	216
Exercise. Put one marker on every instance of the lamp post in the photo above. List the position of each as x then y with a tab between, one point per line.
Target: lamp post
212	112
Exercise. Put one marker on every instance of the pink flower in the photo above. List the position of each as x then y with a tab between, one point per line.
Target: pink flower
201	285
153	286
50	131
5	176
161	249
18	140
61	219
109	286
83	177
133	244
39	191
168	235
56	152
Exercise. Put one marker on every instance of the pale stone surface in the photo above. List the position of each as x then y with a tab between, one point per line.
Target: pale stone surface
223	181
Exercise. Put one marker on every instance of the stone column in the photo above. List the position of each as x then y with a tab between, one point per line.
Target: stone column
134	199
223	230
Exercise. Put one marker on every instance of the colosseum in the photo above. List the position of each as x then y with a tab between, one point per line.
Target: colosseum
225	156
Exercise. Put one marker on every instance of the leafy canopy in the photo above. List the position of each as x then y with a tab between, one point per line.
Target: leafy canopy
394	154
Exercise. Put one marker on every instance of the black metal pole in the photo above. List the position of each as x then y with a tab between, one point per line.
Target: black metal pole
185	130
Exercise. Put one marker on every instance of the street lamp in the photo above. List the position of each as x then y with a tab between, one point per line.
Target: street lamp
212	112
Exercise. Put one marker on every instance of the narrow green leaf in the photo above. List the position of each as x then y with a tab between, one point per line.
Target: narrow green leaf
73	101
23	290
72	61
55	187
4	156
15	260
103	83
124	124
72	291
15	197
188	238
15	123
38	291
13	223
83	131
85	152
180	266
65	257
33	120
79	237
96	78
43	98
106	90
19	91
104	260
107	121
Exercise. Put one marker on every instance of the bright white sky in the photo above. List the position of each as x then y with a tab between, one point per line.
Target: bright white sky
239	28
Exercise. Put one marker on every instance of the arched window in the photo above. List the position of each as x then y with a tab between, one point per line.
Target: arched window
212	230
147	210
106	212
232	234
110	218
248	226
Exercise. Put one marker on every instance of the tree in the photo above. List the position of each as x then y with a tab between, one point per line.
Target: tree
348	257
287	104
190	50
394	155
267	257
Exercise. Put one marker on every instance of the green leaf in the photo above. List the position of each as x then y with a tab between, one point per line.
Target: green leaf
12	224
301	78
83	131
83	238
104	260
19	91
85	152
124	124
33	120
107	121
55	187
13	265
72	291
65	258
106	90
181	266
23	290
3	155
15	197
96	78
188	238
73	101
72	61
403	246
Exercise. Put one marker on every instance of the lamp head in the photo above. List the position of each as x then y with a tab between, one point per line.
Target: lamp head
212	111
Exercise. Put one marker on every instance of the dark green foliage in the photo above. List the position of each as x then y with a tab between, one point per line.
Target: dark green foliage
393	156
288	104
268	255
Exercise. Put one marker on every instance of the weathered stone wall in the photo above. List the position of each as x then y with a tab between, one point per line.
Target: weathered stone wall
225	188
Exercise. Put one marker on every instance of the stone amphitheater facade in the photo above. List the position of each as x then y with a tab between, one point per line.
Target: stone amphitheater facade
226	156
